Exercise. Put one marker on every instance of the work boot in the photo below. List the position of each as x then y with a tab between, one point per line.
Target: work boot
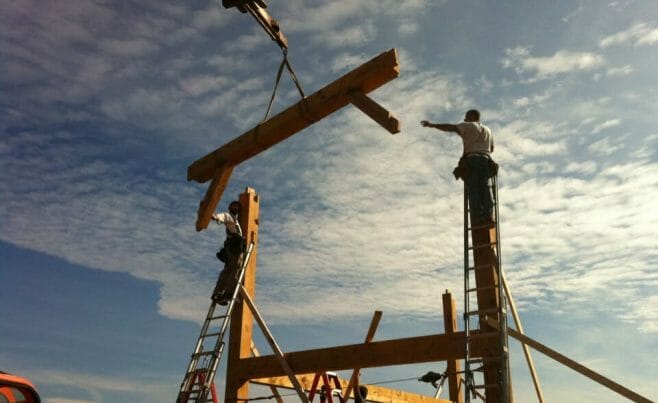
219	297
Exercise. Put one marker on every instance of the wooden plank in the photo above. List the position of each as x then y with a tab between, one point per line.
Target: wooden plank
213	194
581	369
365	355
365	78
354	379
377	112
453	367
376	393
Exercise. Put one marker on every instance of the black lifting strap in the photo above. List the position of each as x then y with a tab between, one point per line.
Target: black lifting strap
285	63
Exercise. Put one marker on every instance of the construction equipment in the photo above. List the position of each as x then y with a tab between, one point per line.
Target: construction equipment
257	10
199	378
484	299
326	390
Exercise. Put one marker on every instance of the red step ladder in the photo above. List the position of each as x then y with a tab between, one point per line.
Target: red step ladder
326	390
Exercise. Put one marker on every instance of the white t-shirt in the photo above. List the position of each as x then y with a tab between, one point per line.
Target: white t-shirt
230	221
477	137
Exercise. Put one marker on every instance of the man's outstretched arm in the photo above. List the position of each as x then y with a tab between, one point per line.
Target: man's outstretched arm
446	127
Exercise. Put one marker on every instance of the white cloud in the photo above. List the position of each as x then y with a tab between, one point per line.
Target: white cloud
606	125
620	71
638	34
561	62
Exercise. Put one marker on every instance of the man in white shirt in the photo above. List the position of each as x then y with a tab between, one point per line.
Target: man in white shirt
478	146
230	254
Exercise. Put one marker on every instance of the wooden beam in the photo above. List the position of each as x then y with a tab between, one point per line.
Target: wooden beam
365	78
453	366
354	379
581	369
376	393
209	203
377	112
419	349
484	257
241	326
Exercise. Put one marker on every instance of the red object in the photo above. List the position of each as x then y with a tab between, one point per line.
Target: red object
17	390
326	389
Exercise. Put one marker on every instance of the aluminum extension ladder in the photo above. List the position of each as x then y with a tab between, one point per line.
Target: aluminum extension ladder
199	378
481	254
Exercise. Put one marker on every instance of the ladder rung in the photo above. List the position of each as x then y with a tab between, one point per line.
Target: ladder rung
218	317
212	334
488	287
202	353
486	386
483	226
483	335
482	266
484	359
482	311
484	245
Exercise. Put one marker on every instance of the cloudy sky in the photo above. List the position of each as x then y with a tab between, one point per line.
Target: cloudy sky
104	104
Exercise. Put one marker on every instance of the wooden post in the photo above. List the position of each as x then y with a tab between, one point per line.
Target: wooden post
241	330
453	366
486	279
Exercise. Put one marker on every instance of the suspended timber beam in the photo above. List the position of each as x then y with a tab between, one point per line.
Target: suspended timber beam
350	88
376	393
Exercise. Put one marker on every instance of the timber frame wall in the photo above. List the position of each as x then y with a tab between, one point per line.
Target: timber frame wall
243	368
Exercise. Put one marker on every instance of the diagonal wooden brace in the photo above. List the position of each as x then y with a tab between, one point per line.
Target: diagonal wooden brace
377	112
213	194
354	379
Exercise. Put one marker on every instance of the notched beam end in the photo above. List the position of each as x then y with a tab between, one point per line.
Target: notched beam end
376	112
213	194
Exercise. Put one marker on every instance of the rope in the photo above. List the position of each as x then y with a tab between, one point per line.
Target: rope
396	380
285	63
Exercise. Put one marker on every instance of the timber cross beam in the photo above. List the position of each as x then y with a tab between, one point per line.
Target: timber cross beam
218	165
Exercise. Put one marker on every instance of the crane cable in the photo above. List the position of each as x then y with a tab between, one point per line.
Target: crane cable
285	63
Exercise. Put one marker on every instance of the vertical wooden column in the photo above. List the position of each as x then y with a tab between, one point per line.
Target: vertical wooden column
242	321
487	280
453	366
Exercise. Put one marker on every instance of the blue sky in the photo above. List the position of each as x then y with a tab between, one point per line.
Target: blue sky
103	105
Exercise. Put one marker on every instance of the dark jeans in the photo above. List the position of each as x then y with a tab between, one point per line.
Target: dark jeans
227	280
479	194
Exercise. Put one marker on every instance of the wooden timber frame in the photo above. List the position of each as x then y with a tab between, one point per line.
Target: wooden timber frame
244	368
218	165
